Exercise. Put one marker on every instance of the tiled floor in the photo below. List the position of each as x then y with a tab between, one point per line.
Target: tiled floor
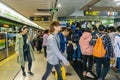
10	70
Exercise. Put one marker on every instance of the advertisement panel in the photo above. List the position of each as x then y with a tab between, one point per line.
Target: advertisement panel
2	41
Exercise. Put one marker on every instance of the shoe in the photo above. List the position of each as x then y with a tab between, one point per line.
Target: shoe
30	73
84	73
79	59
89	75
114	68
73	59
24	74
101	79
53	72
118	77
68	74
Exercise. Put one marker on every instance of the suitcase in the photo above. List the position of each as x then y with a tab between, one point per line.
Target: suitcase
63	74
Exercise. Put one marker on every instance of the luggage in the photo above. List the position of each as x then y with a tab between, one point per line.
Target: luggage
63	74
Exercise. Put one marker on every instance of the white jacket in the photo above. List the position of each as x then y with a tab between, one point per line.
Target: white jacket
117	46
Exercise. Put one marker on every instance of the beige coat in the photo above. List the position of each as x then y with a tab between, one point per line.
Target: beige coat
19	49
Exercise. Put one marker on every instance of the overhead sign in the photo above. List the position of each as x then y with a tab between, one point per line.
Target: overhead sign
91	13
54	10
42	18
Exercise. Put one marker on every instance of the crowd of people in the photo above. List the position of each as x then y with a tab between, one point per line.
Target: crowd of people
70	44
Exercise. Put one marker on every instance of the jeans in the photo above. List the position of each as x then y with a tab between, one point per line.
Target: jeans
77	53
45	53
118	63
27	57
102	70
49	69
89	59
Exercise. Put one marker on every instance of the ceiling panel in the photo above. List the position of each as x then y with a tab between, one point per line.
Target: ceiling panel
106	3
70	6
29	7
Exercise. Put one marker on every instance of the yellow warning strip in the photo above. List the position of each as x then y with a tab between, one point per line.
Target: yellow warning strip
7	59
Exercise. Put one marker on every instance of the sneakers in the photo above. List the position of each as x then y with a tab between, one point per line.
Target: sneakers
24	74
89	75
30	73
68	74
53	72
101	79
84	73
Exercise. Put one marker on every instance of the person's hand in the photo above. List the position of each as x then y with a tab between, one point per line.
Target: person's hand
17	53
70	42
67	64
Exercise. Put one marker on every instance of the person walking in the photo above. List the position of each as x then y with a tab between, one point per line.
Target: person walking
45	36
54	55
24	50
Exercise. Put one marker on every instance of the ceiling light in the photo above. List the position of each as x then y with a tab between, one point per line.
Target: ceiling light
42	14
117	3
59	5
116	0
90	8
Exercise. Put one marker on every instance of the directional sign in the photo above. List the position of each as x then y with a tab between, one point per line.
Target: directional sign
54	10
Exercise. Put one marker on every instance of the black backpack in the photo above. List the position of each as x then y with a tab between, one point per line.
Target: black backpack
75	37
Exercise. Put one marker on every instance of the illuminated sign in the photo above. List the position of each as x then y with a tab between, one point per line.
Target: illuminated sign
5	25
91	13
43	18
54	10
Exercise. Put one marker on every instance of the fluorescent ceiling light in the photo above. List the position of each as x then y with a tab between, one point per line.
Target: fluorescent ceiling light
116	0
117	3
59	5
42	14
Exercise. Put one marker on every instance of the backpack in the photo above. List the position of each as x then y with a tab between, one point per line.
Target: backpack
99	50
75	37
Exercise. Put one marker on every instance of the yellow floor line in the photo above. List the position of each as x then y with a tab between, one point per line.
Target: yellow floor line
6	60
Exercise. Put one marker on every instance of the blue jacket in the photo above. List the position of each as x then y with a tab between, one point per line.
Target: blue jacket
63	42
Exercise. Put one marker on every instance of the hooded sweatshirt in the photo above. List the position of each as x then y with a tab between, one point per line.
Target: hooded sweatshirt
86	49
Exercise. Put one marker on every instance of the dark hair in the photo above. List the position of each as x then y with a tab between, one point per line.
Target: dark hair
52	25
22	28
101	28
112	29
118	28
46	31
94	27
87	30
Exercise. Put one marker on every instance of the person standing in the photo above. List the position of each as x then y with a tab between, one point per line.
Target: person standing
24	50
54	55
87	52
63	44
103	63
45	36
117	48
39	42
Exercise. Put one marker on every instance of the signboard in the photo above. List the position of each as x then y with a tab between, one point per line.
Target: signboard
98	13
54	10
91	13
42	18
